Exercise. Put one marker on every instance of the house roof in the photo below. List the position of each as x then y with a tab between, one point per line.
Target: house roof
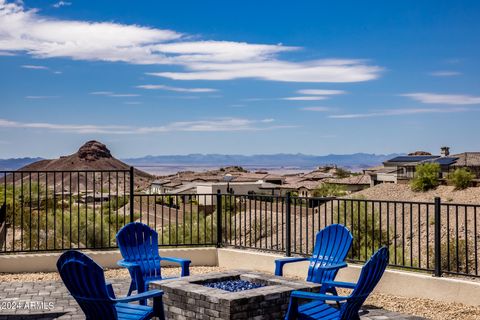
307	184
362	179
467	159
409	159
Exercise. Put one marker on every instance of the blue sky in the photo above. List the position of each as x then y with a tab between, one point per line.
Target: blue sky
179	77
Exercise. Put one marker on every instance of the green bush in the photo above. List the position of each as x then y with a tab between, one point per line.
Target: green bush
461	178
426	177
342	173
329	190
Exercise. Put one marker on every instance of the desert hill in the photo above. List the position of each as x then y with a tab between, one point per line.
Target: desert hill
94	156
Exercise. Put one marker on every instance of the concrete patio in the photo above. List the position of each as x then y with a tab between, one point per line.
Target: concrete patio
64	306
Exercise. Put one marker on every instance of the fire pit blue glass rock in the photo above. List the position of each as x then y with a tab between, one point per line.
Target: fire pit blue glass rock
233	285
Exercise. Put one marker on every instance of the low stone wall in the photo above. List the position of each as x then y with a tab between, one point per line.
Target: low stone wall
46	262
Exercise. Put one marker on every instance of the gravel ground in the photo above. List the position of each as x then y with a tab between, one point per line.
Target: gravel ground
403	192
418	307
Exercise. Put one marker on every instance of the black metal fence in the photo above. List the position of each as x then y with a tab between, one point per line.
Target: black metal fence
52	210
436	237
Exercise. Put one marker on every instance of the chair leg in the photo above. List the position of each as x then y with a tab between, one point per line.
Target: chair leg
292	312
158	310
145	289
132	288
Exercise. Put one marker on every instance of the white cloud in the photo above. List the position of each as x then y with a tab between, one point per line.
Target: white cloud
320	92
34	67
41	97
277	70
213	125
445	73
114	95
316	109
455	99
132	102
26	30
396	112
176	89
304	98
61	4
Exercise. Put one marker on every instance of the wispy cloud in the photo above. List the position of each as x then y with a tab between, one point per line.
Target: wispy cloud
304	98
212	125
176	89
445	73
132	102
320	92
113	94
41	97
26	30
61	4
396	112
314	94
455	99
316	109
34	67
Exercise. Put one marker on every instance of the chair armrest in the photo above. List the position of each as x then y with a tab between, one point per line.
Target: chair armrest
127	264
316	296
334	266
279	263
184	263
348	285
140	296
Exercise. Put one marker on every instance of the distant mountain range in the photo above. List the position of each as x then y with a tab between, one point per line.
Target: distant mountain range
281	160
353	161
16	163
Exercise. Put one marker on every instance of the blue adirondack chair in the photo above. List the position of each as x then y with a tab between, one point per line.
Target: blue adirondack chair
331	248
86	282
371	274
138	245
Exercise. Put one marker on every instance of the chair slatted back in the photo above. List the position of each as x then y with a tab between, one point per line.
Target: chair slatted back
86	282
139	243
371	274
331	247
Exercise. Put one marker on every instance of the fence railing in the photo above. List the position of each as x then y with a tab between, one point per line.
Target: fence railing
53	210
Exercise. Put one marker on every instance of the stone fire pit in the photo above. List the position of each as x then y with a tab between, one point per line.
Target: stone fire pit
199	296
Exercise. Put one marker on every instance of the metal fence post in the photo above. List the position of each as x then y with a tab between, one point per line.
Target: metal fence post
132	184
288	231
437	235
219	219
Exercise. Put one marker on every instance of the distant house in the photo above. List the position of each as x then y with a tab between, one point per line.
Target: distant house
402	169
163	186
259	187
353	183
97	197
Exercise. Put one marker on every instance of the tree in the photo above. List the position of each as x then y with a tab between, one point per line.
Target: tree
426	177
461	178
329	190
342	173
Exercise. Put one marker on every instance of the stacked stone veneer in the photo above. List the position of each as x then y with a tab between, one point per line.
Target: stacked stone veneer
187	298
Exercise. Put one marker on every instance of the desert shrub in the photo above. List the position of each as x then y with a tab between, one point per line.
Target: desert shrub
450	260
358	217
342	173
329	190
426	177
461	178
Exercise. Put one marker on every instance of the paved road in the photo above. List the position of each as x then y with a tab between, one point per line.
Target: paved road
50	300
